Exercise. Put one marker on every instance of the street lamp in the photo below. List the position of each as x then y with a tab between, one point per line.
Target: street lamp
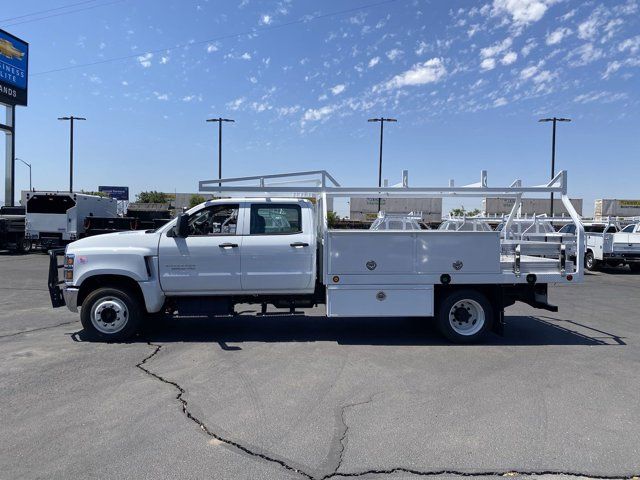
220	120
553	148
28	165
381	120
71	118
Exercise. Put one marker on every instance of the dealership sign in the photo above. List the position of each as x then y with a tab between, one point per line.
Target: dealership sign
14	61
119	193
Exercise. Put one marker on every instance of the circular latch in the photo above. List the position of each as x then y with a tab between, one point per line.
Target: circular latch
380	296
458	264
371	265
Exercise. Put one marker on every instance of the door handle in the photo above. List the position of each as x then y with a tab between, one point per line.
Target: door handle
299	244
228	245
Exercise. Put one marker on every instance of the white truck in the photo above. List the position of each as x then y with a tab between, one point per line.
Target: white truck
607	244
57	218
270	244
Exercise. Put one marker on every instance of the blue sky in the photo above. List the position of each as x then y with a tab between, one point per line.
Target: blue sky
466	80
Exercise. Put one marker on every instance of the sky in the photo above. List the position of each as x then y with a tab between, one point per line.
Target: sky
466	80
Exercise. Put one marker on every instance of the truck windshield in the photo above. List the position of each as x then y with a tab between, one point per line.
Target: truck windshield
50	204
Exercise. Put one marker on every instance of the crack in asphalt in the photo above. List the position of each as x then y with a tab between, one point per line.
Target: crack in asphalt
203	427
38	329
335	474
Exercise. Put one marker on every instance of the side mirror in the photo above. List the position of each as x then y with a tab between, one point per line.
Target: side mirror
182	226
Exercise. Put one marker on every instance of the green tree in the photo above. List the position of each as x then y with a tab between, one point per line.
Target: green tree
99	194
332	219
459	212
151	197
196	200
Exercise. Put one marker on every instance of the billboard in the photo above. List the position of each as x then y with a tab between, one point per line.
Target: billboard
119	193
14	63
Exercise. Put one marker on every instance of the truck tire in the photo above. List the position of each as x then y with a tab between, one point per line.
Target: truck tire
464	316
590	263
25	245
111	314
635	267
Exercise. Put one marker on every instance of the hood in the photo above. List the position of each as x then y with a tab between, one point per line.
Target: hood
133	240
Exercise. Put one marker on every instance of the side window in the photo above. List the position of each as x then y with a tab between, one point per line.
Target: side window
275	219
611	229
628	229
214	220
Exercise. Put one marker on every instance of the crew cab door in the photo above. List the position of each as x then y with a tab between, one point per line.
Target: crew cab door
208	260
279	251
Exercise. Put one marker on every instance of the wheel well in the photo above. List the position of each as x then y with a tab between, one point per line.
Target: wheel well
492	292
115	281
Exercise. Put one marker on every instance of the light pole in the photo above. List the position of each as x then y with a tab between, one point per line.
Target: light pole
553	148
381	120
28	165
220	120
71	118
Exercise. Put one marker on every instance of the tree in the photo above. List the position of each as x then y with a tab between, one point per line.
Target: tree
196	200
461	212
151	197
98	194
332	219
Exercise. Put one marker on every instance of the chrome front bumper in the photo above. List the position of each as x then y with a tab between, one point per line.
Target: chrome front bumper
70	295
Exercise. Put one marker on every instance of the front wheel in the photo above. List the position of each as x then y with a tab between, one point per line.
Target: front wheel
25	245
590	263
111	314
465	316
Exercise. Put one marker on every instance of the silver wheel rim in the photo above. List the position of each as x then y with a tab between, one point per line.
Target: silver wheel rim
109	315
466	317
589	261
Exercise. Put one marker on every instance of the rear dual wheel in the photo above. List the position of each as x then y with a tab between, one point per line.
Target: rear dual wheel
464	316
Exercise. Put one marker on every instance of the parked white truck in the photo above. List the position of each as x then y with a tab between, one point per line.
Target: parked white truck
272	245
57	218
607	244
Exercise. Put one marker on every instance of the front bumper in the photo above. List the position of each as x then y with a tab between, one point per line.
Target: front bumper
70	297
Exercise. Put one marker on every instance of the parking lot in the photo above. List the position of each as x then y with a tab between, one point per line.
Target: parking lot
310	397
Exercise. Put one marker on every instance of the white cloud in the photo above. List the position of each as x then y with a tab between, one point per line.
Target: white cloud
260	107
612	67
161	96
236	104
631	44
319	114
145	60
95	79
500	102
496	49
253	80
189	98
556	36
284	111
245	56
338	89
587	29
374	61
265	19
473	29
528	72
522	12
394	53
509	58
212	47
611	28
422	48
431	71
125	83
586	54
603	96
488	64
543	77
164	60
530	45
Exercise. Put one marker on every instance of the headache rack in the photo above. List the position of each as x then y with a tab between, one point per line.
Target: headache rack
517	256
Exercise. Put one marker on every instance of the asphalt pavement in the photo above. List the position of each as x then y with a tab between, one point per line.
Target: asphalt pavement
295	397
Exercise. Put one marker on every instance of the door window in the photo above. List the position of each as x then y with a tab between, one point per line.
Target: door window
275	219
628	229
214	220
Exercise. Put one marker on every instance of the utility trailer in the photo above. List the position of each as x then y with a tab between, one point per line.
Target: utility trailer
57	218
12	234
270	244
